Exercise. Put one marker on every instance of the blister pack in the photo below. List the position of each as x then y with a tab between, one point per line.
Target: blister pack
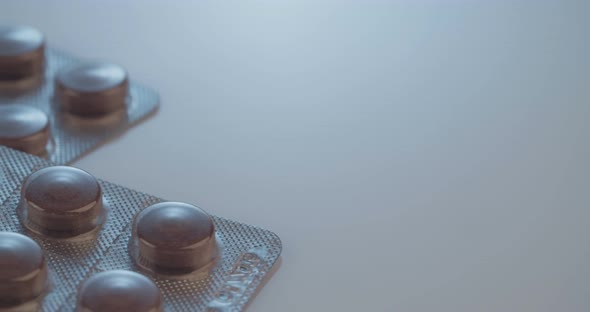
59	107
71	242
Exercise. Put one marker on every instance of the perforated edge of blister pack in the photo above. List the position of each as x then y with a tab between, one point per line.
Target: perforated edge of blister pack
247	252
67	143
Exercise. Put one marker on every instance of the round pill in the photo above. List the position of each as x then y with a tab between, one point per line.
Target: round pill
24	128
21	52
23	272
62	201
18	40
92	89
119	291
175	237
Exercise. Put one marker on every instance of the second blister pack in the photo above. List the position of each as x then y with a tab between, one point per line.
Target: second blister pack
60	107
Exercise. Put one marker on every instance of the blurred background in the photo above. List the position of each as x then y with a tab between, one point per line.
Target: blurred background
412	155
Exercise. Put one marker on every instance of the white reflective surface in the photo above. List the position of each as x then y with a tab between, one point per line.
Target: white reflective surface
412	155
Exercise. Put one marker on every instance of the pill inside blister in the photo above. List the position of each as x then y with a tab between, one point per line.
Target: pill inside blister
23	272
21	55
114	291
92	89
173	239
61	202
24	128
198	262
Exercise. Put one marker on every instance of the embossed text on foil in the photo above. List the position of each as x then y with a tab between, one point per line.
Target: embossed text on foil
238	280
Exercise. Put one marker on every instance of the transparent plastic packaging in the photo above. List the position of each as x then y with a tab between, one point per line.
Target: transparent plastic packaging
59	107
62	202
119	290
23	273
173	240
197	261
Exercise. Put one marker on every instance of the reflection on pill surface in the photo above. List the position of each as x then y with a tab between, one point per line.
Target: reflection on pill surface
114	291
24	128
175	236
92	89
23	273
62	201
21	53
17	40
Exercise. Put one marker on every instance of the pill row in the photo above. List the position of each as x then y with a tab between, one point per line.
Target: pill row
43	91
24	280
65	235
170	239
